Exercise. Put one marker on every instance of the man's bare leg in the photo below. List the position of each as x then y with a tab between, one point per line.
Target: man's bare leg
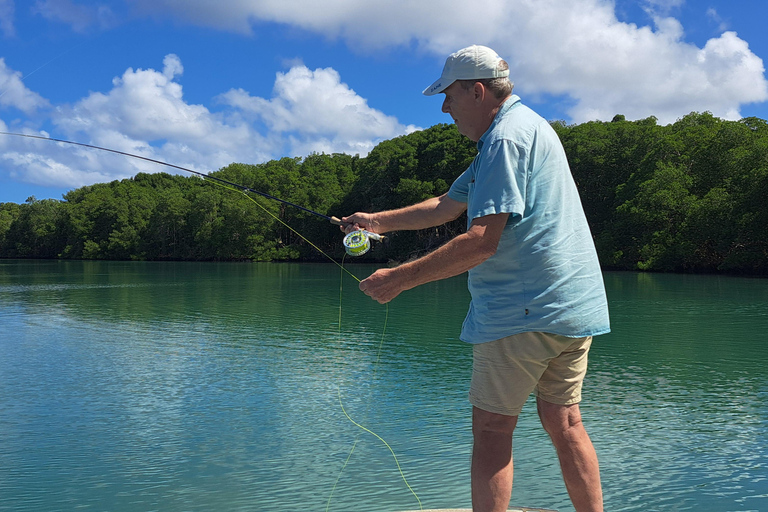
578	460
491	460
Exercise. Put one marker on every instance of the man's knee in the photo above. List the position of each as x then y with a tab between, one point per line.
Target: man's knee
561	422
490	423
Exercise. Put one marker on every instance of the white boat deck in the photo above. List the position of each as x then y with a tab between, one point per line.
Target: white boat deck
517	509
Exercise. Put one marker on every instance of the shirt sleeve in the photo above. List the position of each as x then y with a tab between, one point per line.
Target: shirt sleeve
460	188
500	181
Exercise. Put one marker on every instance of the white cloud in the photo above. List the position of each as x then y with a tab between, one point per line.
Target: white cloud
578	48
144	113
712	14
48	164
40	169
609	67
13	92
318	113
7	11
372	24
663	6
144	103
80	17
172	66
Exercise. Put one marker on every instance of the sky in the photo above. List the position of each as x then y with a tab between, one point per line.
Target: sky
202	84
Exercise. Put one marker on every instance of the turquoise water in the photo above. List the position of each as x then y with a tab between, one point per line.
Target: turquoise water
183	386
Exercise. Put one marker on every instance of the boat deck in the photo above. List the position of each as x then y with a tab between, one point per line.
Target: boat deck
516	509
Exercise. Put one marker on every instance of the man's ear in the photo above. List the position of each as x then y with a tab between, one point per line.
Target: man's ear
480	92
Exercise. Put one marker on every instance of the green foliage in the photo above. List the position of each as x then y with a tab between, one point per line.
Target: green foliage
9	212
33	229
687	197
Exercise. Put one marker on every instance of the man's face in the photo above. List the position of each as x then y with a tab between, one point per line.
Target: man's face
461	105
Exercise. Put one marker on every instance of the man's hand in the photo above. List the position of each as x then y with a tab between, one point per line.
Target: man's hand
360	220
384	285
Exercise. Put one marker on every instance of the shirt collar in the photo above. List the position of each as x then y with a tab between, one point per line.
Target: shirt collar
511	102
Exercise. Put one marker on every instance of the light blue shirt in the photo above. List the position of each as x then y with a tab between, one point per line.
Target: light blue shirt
545	275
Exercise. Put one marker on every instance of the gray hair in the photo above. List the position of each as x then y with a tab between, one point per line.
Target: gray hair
500	87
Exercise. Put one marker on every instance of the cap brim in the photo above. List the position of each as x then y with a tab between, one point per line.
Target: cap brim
438	86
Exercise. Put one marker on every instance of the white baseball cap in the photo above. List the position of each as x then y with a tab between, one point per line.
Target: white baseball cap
471	63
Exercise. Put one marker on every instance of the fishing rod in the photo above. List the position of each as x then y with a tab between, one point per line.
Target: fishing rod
356	243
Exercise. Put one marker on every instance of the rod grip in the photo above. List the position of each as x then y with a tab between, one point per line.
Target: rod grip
338	222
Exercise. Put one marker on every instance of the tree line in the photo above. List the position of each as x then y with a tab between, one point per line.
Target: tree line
685	197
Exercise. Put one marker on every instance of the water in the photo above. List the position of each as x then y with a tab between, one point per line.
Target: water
184	386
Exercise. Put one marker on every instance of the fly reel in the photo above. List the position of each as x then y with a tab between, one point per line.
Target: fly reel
357	243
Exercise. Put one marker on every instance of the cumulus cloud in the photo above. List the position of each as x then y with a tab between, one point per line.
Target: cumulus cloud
142	103
144	113
577	48
317	112
636	71
13	92
7	10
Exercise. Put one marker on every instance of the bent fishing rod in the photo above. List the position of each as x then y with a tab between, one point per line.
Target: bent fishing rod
332	220
356	243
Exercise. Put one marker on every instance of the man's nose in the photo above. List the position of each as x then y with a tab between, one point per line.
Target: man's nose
445	108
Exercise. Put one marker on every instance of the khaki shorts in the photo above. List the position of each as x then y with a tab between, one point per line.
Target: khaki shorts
506	371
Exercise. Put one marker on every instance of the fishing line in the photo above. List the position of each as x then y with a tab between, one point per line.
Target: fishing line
375	365
402	475
341	404
338	477
378	352
357	438
355	243
243	190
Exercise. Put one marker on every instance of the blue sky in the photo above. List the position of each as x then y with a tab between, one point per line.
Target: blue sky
202	84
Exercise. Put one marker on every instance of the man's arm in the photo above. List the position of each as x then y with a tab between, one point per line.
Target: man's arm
432	212
459	255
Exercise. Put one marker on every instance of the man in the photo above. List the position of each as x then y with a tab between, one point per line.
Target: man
536	287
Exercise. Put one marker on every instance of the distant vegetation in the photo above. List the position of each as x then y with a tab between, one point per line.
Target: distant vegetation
687	197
